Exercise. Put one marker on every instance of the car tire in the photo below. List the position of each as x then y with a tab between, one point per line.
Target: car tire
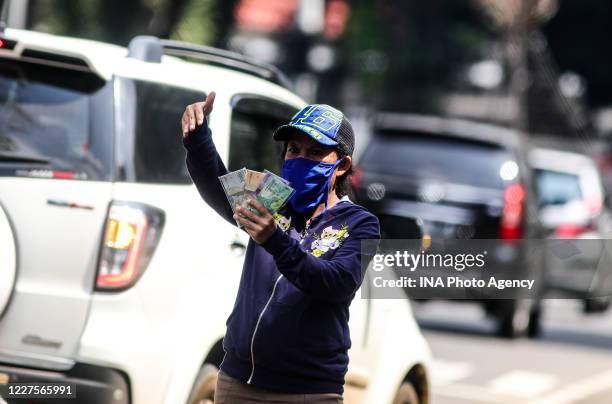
596	304
534	329
513	318
406	394
203	391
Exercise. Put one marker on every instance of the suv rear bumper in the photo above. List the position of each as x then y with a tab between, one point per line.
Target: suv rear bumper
94	384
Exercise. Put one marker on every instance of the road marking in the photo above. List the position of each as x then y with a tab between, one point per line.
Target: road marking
473	393
523	383
578	391
445	372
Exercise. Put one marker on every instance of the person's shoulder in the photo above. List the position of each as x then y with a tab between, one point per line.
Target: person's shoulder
360	212
360	219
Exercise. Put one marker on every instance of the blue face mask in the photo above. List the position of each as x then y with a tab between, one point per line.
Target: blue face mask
311	181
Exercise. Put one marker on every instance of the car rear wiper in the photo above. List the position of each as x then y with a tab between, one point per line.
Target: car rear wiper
23	159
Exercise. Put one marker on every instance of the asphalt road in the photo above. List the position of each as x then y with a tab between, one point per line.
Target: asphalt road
570	363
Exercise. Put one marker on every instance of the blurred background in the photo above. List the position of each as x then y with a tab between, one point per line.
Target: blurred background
462	58
539	66
535	64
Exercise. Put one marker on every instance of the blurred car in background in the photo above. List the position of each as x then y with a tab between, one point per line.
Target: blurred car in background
114	274
602	154
572	205
454	179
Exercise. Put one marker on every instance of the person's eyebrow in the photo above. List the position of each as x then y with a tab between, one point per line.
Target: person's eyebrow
321	148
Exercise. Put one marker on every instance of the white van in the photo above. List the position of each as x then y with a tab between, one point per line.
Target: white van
114	274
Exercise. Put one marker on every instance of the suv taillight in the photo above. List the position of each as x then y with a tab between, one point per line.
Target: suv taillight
130	237
571	231
512	216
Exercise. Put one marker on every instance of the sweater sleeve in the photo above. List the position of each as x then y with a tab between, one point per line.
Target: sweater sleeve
205	166
332	280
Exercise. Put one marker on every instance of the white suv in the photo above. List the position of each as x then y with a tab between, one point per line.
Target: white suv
114	274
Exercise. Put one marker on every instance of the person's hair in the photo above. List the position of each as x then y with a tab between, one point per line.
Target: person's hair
343	184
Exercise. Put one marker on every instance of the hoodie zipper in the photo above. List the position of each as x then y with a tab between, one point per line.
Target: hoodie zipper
303	236
257	326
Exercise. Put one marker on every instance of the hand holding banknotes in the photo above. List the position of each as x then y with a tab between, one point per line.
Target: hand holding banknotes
195	113
254	197
260	225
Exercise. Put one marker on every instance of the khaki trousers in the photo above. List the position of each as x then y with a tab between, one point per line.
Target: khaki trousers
232	391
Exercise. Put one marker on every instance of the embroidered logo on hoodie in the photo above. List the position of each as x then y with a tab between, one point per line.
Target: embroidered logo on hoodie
329	239
283	222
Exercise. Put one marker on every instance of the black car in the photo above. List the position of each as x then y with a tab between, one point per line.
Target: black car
445	179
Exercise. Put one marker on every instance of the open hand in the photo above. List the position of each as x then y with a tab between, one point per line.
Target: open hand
195	114
260	227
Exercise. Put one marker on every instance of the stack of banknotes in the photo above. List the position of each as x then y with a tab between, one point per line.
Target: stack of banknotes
267	188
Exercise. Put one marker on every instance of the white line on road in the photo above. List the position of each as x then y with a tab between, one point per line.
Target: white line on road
514	386
473	393
445	372
578	391
523	383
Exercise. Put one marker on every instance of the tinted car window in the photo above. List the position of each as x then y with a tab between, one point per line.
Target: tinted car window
54	119
158	153
449	159
557	188
251	143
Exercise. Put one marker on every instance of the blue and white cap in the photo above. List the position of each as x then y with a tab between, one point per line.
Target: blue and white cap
323	123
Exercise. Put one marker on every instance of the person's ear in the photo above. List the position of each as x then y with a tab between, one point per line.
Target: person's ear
344	166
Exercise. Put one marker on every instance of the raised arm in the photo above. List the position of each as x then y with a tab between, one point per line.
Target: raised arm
203	162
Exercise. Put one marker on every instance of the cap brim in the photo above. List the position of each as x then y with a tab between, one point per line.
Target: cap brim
282	132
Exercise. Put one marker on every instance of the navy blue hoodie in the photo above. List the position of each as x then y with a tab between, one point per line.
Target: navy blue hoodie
288	330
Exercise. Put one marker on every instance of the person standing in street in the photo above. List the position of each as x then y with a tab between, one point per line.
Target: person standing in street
287	337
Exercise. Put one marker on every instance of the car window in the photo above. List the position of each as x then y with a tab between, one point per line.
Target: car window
54	119
557	188
428	156
252	125
158	153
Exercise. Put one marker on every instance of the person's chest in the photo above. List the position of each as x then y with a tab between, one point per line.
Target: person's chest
321	237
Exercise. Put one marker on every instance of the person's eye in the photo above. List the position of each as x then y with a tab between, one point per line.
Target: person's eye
316	152
292	149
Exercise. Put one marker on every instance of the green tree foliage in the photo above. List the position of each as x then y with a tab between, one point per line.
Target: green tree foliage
406	52
196	24
118	21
